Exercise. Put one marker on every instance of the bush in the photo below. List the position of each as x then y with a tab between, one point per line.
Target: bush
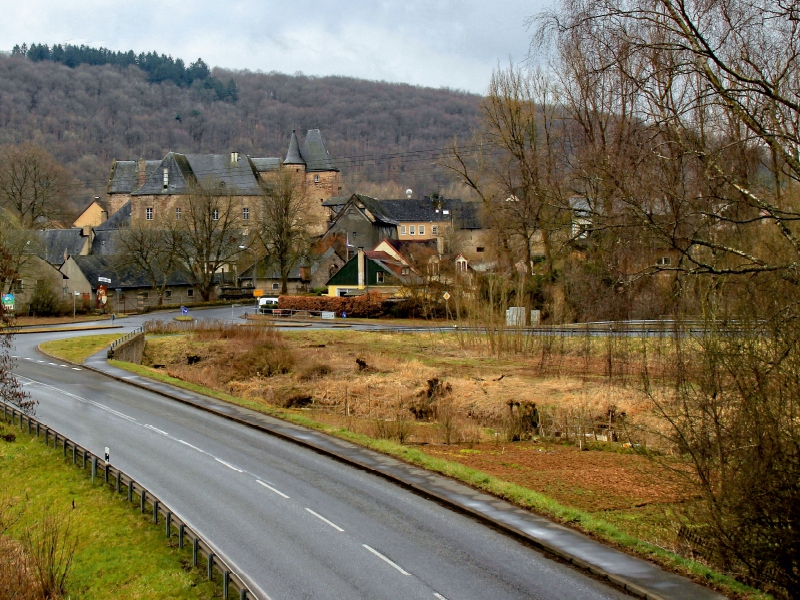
369	305
45	301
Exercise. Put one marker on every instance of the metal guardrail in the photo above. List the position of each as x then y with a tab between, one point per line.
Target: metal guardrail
117	479
126	337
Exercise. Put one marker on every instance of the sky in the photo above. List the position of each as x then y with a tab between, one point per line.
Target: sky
436	43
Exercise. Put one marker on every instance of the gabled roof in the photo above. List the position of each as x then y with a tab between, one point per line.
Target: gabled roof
336	201
465	215
217	172
119	220
123	277
314	153
125	175
293	156
57	244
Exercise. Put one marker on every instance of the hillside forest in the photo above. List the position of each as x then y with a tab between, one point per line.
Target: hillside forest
92	106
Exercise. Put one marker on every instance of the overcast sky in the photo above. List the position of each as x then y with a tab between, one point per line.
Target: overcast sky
434	43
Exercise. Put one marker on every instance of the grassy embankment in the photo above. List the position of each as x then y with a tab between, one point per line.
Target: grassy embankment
119	553
614	496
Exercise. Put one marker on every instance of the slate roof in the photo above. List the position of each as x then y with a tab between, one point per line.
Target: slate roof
268	272
105	241
293	156
465	215
125	175
212	171
266	164
119	220
336	201
93	267
314	153
55	243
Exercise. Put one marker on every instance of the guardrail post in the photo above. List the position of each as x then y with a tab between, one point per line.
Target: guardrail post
83	456
74	453
169	524
65	446
29	425
105	471
181	531
155	512
21	415
5	413
242	594
210	565
130	490
55	440
118	483
144	500
94	468
226	581
195	551
37	429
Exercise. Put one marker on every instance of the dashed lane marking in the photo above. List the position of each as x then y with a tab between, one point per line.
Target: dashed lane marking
331	523
386	560
229	465
269	487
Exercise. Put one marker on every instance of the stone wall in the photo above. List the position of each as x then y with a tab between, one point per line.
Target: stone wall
129	349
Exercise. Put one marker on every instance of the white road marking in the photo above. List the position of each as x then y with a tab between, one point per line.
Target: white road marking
76	369
269	487
65	366
27	358
331	523
388	561
230	466
439	596
80	399
54	364
192	447
40	361
156	429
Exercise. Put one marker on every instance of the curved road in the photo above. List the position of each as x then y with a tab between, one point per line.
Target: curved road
298	524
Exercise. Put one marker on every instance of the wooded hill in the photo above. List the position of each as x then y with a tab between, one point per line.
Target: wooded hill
88	114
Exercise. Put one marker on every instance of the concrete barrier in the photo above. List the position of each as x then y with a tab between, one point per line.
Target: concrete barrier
130	348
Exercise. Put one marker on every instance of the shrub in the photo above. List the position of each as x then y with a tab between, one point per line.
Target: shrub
369	305
45	301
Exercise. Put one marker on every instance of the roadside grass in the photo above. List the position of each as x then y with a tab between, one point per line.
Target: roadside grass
79	348
597	528
119	553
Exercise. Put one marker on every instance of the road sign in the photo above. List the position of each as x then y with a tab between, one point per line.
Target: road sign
184	310
258	293
103	280
328	314
8	301
446	296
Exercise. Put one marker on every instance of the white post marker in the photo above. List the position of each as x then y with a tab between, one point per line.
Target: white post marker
108	454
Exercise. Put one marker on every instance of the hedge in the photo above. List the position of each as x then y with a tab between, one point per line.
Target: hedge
372	304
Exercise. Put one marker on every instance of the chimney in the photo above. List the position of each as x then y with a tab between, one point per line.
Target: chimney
142	172
234	157
361	261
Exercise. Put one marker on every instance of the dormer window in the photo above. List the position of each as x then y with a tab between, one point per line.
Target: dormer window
166	178
316	178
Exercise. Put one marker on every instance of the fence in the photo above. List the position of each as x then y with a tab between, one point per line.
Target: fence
173	524
129	347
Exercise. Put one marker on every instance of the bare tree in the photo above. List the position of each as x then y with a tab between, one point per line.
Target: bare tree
207	238
33	186
285	222
23	247
10	388
150	251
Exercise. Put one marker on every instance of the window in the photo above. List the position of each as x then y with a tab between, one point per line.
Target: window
167	294
246	213
422	229
316	178
379	277
19	286
215	215
149	213
276	286
479	249
664	261
355	234
435	230
405	271
445	212
411	230
177	214
402	229
166	177
190	293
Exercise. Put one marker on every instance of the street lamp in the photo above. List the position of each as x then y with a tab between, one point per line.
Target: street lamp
74	295
254	270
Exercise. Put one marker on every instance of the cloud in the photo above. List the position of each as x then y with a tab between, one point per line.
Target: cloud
444	43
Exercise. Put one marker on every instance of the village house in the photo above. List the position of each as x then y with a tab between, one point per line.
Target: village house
371	271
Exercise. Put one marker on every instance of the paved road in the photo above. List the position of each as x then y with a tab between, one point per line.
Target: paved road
298	524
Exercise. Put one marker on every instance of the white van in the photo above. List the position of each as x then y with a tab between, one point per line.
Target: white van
266	305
